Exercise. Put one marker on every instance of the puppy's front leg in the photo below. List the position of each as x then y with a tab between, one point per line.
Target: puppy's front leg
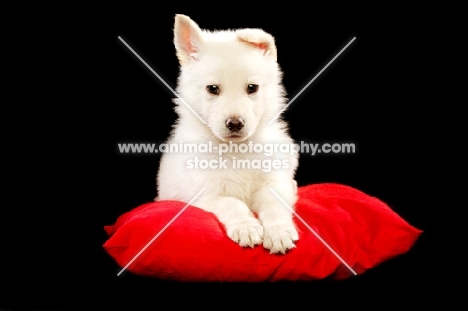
241	225
278	227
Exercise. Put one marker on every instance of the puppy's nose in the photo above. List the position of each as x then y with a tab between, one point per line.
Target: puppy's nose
235	124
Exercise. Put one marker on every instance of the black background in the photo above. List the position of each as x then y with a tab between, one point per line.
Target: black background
369	96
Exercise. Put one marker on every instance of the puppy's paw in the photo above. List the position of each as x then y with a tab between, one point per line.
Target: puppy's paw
280	238
246	232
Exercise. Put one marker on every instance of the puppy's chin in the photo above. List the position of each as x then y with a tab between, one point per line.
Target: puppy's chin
234	137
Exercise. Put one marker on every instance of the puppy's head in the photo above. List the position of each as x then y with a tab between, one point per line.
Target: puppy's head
229	78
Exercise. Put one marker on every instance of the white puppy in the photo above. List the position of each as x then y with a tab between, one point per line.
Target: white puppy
232	81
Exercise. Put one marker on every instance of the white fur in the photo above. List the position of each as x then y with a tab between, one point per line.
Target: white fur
231	59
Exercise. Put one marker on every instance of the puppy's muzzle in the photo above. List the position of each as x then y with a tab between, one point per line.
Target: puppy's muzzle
234	124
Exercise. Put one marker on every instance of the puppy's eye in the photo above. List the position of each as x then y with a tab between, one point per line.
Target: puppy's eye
213	89
252	88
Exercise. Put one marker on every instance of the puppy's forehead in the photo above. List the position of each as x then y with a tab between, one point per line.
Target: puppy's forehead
223	58
219	36
229	48
234	54
234	63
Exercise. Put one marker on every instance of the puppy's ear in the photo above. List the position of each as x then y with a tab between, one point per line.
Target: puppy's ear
258	39
187	38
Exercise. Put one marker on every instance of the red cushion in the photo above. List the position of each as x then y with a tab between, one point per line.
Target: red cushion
361	229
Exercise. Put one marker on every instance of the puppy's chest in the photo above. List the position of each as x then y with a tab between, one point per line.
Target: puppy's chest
239	184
